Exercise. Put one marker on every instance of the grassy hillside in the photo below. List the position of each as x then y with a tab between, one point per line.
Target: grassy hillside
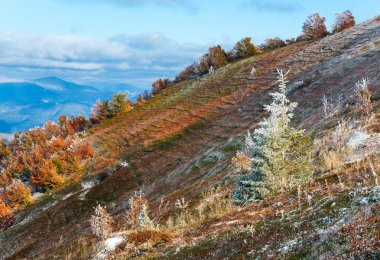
180	145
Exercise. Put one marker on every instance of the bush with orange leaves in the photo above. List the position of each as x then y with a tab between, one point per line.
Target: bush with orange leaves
13	197
84	149
70	126
16	195
46	176
314	27
204	64
273	43
189	72
160	85
6	215
4	151
218	56
343	21
100	111
139	101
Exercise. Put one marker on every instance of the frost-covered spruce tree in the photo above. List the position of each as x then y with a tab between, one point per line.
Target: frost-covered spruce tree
279	154
101	223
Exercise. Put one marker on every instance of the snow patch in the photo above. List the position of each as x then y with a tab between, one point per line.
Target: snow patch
358	139
37	195
288	246
124	164
113	242
88	184
228	223
67	195
51	204
82	196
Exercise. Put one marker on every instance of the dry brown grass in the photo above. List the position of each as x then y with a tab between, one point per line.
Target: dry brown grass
213	204
332	149
150	235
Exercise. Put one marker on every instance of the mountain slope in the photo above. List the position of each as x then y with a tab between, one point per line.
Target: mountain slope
181	142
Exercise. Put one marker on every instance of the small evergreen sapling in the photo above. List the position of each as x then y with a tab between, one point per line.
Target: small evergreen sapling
211	70
363	96
253	71
101	223
144	220
137	216
279	153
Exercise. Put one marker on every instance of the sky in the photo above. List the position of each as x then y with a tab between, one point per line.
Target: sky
100	42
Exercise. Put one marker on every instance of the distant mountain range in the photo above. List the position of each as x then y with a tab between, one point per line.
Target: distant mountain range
32	102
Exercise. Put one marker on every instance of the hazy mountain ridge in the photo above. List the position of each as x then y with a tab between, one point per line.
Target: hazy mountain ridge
31	103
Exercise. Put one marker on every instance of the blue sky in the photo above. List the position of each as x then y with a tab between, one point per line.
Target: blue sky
135	41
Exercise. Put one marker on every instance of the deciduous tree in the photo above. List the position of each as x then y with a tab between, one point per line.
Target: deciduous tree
100	111
120	103
204	64
188	73
242	49
4	150
343	21
314	27
273	43
218	56
160	85
17	195
6	215
46	176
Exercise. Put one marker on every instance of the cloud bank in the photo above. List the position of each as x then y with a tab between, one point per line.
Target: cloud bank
122	57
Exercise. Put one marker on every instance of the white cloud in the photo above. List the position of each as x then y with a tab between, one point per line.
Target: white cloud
188	4
280	6
6	79
142	2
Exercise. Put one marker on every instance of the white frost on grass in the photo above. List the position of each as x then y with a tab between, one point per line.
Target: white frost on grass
67	195
89	184
288	246
82	196
124	164
358	139
86	186
50	204
113	242
37	195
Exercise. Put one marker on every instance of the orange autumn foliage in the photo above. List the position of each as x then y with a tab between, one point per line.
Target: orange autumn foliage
6	215
85	150
343	21
57	144
5	210
46	177
17	195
